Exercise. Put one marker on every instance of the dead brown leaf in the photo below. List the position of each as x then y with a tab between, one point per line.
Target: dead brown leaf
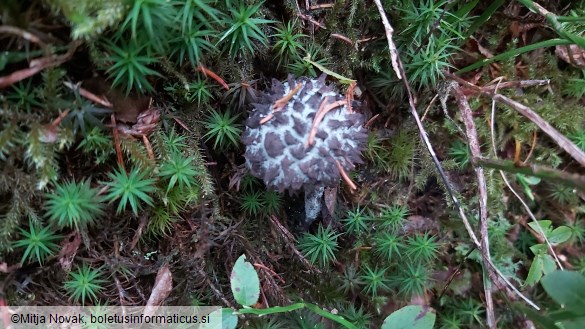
572	54
69	250
161	290
330	196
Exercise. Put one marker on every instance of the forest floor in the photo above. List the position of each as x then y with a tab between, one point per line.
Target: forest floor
143	148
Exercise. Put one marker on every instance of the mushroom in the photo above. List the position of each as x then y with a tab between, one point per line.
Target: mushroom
301	135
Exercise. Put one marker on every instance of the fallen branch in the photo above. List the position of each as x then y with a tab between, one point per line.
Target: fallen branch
547	173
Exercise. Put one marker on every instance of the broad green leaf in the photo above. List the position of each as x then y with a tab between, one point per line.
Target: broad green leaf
543	320
545	224
548	264
244	282
531	180
576	323
567	289
535	272
559	235
526	181
411	317
228	320
539	249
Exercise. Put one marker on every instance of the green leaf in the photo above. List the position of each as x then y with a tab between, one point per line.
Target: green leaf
576	323
543	320
323	69
567	289
560	235
541	265
545	224
411	317
531	180
330	316
245	282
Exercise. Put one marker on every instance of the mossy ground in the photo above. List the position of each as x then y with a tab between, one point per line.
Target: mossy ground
167	67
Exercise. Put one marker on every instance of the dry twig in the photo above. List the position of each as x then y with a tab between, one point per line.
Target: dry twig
471	132
88	94
38	65
289	239
493	271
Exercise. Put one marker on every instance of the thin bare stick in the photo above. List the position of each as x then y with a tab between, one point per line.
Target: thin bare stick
527	112
22	33
117	145
474	147
532	147
343	38
271	271
569	179
429	107
321	6
89	95
290	242
391	46
311	20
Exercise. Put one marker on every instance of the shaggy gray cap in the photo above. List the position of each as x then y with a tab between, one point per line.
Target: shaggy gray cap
277	151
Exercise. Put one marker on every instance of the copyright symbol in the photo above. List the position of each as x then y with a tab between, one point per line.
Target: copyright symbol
14	318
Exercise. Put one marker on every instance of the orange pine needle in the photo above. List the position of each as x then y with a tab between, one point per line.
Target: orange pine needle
517	153
60	118
279	104
349	96
148	147
212	75
116	136
345	176
266	118
324	108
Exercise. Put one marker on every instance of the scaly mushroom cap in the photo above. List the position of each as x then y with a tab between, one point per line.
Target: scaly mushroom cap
277	151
